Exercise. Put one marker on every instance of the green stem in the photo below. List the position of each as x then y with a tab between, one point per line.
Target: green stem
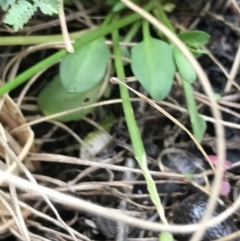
138	148
107	20
162	17
87	38
38	39
146	31
198	123
132	32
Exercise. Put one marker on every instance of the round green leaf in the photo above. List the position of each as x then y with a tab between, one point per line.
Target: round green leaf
83	69
194	38
153	65
54	99
184	66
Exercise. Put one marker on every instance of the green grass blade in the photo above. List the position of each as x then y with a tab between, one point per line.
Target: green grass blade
138	148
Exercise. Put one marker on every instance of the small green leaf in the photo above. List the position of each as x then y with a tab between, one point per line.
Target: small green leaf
197	52
5	4
184	66
154	67
119	6
48	7
115	4
83	69
194	38
166	236
54	98
19	14
168	7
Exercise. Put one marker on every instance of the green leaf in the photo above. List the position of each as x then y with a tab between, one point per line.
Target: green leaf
119	6
168	7
115	4
19	14
194	38
5	4
185	68
54	98
83	69
166	236
198	123
154	67
197	52
48	7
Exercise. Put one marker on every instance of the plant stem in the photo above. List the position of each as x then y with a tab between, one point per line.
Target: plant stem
146	31
87	38
107	20
132	32
161	16
198	123
138	148
38	39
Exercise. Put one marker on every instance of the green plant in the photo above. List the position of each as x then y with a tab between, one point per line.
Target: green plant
20	11
84	40
193	40
138	148
154	62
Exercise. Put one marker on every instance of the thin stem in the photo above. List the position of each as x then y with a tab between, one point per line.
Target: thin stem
198	123
38	39
146	31
161	15
132	32
138	148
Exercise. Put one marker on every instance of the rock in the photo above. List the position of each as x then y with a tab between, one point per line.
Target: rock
191	210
